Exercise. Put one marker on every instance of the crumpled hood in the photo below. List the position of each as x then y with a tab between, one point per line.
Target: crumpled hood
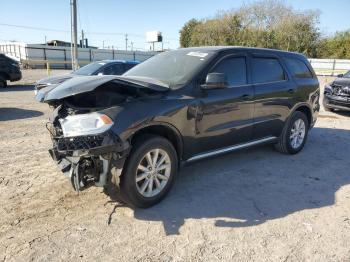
53	80
83	84
40	95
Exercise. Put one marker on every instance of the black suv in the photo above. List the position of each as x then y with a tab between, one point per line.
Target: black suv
134	131
9	70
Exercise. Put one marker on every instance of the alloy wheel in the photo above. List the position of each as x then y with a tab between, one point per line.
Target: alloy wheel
297	133
153	172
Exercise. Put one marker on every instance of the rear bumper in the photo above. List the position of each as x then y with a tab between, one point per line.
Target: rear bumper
336	102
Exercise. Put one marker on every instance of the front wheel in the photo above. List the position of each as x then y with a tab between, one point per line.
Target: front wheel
149	171
294	134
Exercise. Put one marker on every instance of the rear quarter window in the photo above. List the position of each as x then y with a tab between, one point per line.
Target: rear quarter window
298	68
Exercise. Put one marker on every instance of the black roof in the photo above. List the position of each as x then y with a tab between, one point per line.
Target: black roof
225	48
133	62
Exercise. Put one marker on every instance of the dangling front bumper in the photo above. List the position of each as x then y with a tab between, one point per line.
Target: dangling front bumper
86	160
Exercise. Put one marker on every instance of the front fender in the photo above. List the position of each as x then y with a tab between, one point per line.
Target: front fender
132	117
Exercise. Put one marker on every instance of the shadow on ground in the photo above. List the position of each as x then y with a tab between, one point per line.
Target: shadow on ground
11	88
13	113
342	113
251	187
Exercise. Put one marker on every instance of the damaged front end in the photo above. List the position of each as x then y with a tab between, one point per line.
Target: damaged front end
85	145
85	159
337	96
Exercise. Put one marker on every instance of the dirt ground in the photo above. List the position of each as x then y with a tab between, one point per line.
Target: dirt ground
252	205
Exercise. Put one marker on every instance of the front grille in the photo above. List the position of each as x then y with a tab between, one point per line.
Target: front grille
79	143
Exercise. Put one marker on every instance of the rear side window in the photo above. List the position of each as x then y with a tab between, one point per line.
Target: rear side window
298	68
266	70
235	70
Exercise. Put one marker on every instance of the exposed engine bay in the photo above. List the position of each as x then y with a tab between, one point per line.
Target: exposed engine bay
84	146
83	159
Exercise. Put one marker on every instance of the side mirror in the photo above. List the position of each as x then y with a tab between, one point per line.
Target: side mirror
215	81
100	74
340	75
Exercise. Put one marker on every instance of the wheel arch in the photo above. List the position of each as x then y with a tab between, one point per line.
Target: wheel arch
164	130
306	109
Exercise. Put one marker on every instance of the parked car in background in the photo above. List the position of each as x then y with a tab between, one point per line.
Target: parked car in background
104	67
9	70
133	131
337	93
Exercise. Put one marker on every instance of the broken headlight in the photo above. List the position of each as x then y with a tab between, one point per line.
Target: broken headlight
85	124
328	89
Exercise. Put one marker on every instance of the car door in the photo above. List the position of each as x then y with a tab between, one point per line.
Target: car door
225	115
274	94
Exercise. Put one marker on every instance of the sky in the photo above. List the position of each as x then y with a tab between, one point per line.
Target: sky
105	22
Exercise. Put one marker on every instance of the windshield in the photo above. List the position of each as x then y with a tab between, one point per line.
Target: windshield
347	74
89	69
173	67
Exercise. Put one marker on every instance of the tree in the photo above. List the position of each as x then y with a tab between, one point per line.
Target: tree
268	23
186	32
337	46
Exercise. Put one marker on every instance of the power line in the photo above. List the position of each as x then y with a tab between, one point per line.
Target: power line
36	28
87	32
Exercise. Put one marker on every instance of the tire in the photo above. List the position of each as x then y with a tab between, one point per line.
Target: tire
285	143
137	166
3	83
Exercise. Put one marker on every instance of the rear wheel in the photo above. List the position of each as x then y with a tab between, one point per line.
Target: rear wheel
149	171
294	134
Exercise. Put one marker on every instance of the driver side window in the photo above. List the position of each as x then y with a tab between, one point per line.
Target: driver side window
235	70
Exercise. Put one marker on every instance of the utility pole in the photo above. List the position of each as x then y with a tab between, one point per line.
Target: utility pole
126	42
132	45
82	39
74	34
